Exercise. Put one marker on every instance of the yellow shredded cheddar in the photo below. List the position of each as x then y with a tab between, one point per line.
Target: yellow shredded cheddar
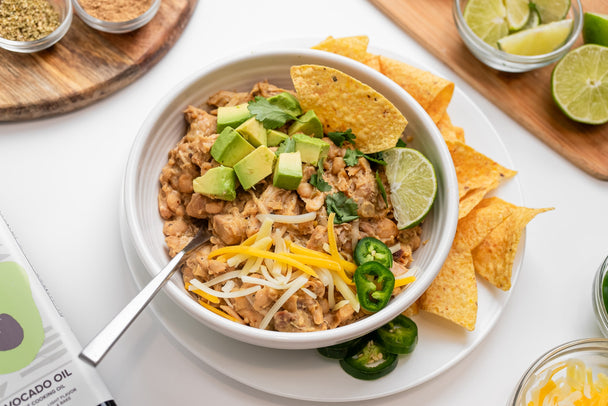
254	252
404	281
298	249
217	311
202	294
331	237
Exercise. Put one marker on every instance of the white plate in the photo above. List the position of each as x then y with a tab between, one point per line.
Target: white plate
293	373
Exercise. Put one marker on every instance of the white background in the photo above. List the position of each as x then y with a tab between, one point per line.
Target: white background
61	179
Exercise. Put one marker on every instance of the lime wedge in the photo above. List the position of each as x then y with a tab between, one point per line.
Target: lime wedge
538	40
487	19
551	10
413	184
595	29
533	20
579	84
518	13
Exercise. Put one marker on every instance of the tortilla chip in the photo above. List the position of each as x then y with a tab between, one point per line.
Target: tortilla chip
432	92
352	47
453	293
341	102
481	220
493	258
373	61
459	131
477	174
413	310
446	128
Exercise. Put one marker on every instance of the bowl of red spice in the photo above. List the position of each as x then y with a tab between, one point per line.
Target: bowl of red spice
116	16
33	25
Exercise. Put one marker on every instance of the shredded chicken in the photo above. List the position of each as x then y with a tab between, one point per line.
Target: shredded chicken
232	222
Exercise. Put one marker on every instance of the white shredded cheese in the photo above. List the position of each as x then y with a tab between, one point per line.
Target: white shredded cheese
294	219
297	284
309	293
216	293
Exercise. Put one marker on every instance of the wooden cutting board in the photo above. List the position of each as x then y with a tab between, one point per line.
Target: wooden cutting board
526	97
86	65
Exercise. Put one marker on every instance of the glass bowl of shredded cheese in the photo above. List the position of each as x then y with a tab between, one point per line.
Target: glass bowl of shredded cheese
575	373
33	25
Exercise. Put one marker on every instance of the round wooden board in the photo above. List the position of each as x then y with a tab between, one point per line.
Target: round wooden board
86	65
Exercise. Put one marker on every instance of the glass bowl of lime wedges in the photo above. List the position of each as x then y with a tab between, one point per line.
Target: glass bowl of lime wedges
518	35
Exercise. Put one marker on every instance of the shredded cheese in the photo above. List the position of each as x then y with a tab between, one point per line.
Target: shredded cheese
570	383
217	311
298	283
235	293
286	219
210	297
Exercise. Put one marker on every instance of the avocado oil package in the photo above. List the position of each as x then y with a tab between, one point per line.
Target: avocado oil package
39	362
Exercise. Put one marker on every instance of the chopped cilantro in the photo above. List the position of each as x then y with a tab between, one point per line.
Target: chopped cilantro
401	143
289	145
344	207
270	115
351	156
339	137
316	179
381	188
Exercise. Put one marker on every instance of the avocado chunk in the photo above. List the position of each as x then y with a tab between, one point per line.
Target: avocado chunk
21	331
232	116
286	102
217	183
255	166
274	137
230	147
288	171
253	131
311	149
307	123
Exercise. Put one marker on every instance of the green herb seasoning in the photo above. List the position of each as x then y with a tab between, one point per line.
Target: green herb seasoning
27	20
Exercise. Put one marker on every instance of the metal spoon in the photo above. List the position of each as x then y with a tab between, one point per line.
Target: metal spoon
97	348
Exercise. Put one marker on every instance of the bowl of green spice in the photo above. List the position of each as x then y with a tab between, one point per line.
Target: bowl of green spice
600	297
33	25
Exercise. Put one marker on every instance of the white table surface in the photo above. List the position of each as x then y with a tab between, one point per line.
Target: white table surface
61	180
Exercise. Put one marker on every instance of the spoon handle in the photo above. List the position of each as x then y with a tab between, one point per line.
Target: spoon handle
97	348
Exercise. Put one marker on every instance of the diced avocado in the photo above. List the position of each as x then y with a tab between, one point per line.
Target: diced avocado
274	137
255	166
253	131
217	183
231	116
288	171
308	123
230	147
21	331
311	149
287	102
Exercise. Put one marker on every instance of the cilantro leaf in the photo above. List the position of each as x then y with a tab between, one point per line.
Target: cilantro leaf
351	157
270	115
401	143
289	145
339	137
316	179
376	157
344	207
381	188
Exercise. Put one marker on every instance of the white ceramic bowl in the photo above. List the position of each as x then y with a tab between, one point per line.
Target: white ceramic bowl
166	125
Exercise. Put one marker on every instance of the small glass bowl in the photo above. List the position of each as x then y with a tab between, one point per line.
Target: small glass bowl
504	61
117	27
64	8
601	314
592	352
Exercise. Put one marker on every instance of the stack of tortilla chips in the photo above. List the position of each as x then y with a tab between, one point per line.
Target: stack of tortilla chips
489	228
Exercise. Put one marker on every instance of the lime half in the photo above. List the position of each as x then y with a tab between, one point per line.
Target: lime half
413	184
579	84
533	20
487	19
551	10
595	29
538	40
518	13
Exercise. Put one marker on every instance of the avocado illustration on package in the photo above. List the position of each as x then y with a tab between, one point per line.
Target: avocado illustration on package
21	332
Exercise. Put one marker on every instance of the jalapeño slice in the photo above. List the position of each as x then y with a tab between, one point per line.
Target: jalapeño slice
372	249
